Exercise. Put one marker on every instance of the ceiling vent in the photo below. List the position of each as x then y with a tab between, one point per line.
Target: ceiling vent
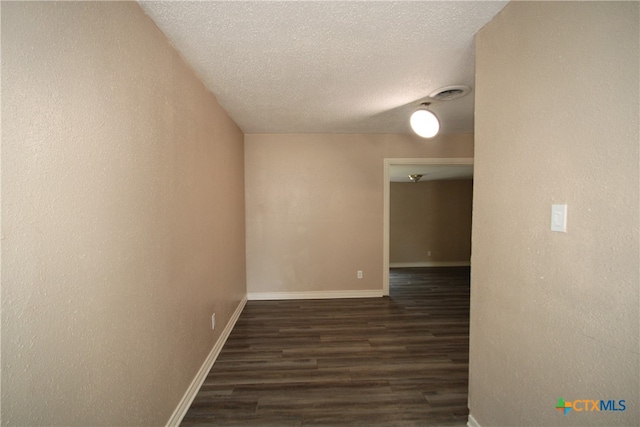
450	93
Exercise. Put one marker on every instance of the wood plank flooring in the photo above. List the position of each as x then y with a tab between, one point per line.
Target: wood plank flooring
396	361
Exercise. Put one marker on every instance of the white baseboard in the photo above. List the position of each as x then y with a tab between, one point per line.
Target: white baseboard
430	264
263	296
190	394
472	422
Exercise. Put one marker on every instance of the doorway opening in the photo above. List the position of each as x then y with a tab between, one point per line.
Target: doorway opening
400	166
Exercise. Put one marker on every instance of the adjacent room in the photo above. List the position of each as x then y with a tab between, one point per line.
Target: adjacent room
320	213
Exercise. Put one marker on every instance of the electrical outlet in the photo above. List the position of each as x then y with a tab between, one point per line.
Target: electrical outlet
213	321
428	253
359	274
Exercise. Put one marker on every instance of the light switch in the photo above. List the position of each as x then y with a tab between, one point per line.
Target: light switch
559	218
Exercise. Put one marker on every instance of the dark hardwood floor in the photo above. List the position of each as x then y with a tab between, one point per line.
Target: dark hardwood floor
396	361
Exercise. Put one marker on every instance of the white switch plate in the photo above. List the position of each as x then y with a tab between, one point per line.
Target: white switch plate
359	274
559	218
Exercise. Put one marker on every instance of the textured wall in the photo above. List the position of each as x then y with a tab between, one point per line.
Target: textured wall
555	315
430	216
314	206
123	217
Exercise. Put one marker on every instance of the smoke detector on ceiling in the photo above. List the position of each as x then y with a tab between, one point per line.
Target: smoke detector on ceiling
449	93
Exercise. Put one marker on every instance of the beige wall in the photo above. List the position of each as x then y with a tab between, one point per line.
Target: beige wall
555	315
430	216
122	217
314	207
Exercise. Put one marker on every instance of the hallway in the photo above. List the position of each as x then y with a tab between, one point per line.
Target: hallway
397	361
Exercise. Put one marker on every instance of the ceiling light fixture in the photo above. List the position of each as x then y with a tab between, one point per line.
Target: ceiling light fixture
423	122
415	177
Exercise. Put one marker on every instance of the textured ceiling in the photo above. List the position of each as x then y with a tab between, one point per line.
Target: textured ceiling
329	66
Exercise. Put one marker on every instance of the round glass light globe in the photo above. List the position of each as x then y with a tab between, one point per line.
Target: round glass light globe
424	123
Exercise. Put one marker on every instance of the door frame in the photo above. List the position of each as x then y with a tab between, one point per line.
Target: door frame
388	162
